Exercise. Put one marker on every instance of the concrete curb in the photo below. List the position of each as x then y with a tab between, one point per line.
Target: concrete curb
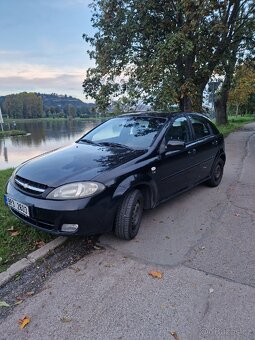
30	259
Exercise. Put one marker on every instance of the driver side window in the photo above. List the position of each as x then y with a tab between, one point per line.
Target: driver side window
179	130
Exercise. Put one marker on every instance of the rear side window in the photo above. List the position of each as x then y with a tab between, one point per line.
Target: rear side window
200	126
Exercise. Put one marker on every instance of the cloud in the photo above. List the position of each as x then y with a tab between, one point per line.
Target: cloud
41	78
5	53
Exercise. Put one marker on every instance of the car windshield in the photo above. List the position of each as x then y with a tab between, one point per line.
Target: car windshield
131	132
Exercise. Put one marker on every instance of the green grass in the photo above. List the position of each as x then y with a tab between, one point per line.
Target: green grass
234	123
12	248
12	133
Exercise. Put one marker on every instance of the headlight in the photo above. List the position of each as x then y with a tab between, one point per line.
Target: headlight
75	190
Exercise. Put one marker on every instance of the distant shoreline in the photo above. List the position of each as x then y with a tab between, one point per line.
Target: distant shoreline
20	120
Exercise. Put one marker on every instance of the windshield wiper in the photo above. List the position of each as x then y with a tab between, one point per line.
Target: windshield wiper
87	141
115	144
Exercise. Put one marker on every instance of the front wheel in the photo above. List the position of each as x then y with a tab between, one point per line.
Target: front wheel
129	216
216	173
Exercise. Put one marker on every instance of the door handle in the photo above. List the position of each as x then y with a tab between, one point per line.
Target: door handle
192	152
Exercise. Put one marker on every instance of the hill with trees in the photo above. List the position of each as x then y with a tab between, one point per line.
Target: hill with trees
38	105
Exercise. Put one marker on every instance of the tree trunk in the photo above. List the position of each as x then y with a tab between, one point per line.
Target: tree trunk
220	105
185	104
237	109
191	104
221	98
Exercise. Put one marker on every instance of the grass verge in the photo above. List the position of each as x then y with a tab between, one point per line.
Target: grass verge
16	239
12	133
235	123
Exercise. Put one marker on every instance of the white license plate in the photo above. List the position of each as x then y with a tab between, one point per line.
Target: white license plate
20	207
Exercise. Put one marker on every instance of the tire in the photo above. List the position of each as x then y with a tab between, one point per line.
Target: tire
129	216
216	173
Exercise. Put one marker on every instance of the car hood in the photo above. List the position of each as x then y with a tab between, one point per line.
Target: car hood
77	162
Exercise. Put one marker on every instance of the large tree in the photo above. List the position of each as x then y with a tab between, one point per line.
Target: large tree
240	50
243	87
160	51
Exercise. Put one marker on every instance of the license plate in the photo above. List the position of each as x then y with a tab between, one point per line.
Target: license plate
20	207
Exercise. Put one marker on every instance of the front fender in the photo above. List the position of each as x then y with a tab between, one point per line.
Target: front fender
138	181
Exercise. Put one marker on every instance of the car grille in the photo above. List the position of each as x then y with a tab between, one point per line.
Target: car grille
34	222
30	187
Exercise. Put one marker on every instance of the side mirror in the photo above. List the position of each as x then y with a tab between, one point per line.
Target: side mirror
174	145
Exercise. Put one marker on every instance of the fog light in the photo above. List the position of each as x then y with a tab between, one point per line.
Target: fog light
69	228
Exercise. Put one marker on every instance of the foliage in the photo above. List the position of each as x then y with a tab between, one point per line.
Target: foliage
242	49
36	105
12	133
161	52
244	85
23	105
16	239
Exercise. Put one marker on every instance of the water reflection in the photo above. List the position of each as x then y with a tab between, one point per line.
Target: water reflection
42	136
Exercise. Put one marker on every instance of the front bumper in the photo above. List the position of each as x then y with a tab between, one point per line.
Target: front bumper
94	215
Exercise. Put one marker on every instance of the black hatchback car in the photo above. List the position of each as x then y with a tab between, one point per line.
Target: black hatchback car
105	180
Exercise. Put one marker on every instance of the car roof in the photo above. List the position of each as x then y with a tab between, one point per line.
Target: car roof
160	114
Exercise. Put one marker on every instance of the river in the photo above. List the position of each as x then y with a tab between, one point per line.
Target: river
42	136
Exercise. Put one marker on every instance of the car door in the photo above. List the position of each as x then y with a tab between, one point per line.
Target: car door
175	169
205	147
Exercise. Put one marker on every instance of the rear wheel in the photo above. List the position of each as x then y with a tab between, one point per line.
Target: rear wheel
129	215
216	173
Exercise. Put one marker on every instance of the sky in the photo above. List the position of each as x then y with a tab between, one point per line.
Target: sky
41	46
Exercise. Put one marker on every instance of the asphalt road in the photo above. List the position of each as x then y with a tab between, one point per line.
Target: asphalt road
202	242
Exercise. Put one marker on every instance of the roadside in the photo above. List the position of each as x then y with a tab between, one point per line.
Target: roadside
202	244
16	238
235	123
29	282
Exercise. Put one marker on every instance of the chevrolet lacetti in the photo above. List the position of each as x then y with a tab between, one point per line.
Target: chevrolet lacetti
105	180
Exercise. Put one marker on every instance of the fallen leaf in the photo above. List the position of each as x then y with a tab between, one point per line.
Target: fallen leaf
23	322
76	269
18	302
211	290
174	334
4	304
65	319
156	275
39	244
15	233
30	293
237	215
97	247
